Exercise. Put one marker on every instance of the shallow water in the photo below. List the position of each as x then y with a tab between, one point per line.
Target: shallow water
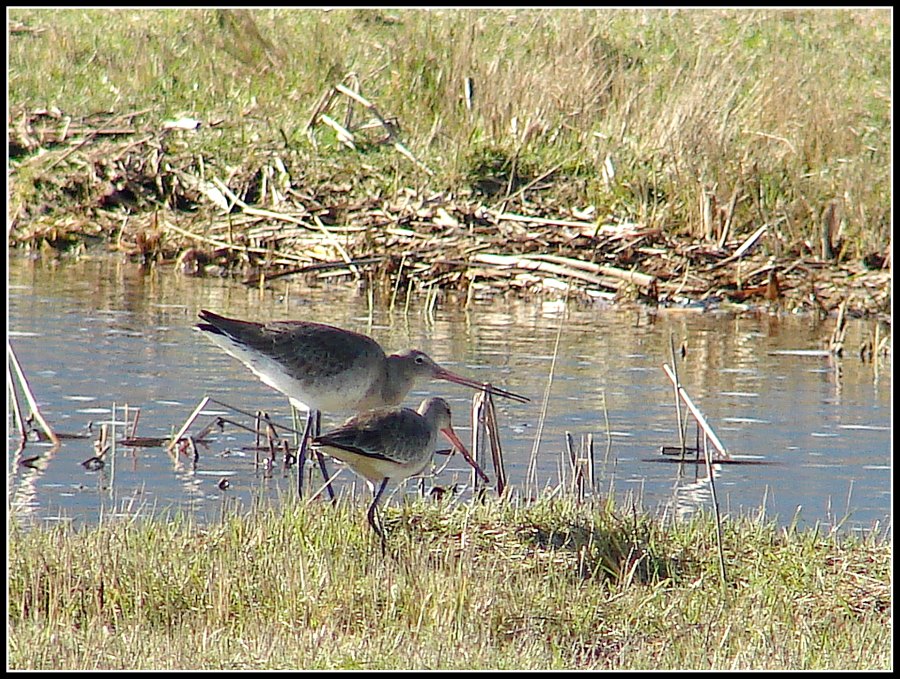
101	331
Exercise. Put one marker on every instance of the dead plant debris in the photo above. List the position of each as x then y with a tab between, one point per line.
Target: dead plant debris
139	188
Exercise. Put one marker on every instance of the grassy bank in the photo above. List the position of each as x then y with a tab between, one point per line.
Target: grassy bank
779	117
547	585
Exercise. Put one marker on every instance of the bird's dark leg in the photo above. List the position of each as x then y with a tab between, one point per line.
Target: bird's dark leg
373	518
321	458
311	416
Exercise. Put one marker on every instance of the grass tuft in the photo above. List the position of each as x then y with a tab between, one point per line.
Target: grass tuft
551	584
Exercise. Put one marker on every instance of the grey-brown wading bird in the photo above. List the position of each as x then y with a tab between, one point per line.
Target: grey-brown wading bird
323	368
392	443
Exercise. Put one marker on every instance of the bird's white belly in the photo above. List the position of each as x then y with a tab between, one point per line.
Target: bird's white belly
374	468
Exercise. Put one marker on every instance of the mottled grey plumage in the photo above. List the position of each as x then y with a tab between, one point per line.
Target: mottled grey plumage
392	443
320	367
323	368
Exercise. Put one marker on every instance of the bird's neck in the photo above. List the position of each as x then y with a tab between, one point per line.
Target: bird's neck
397	382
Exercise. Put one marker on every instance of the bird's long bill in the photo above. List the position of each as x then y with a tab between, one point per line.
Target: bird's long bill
481	386
450	434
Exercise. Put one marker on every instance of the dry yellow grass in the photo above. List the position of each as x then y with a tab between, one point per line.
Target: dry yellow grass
780	112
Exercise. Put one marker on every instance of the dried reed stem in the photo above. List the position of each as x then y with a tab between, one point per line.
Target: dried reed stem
698	416
190	420
17	409
493	432
531	474
29	396
675	383
719	538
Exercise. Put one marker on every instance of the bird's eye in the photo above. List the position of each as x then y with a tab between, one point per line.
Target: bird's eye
420	360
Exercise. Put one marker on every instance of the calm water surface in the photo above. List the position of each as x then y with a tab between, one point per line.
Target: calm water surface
99	332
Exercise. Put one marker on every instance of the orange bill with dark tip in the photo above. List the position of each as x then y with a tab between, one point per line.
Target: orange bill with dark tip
454	439
444	374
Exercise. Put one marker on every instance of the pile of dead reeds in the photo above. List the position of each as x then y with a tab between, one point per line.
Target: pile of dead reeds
147	194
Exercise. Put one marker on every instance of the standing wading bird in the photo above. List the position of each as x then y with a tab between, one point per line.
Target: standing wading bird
320	367
392	443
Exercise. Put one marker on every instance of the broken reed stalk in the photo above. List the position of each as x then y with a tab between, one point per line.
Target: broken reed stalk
583	468
719	538
272	438
195	453
353	80
493	431
216	422
389	128
322	105
698	416
326	486
257	437
577	463
742	250
345	135
592	468
112	450
641	280
431	301
710	436
17	409
570	450
568	271
137	416
675	384
289	458
397	283
261	421
29	396
486	432
336	244
478	437
249	415
270	441
370	299
190	420
531	473
836	342
101	445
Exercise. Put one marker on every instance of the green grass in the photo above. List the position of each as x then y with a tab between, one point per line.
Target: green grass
548	585
787	109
